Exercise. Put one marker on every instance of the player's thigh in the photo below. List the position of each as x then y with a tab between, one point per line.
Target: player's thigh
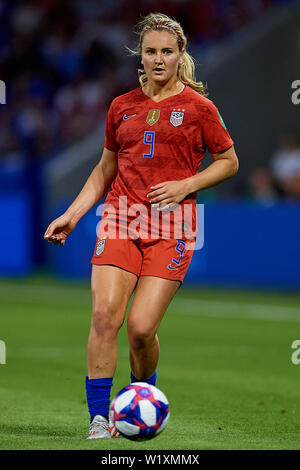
111	291
151	300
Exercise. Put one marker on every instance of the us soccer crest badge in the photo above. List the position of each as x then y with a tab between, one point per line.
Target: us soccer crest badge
177	117
153	116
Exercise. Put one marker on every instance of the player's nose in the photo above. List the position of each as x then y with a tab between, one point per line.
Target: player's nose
158	58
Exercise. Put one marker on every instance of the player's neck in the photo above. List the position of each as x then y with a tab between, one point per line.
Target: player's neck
158	92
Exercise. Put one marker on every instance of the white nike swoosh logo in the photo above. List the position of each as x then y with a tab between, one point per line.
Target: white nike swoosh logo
128	117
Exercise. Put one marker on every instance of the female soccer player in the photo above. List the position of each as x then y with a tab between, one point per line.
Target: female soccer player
156	137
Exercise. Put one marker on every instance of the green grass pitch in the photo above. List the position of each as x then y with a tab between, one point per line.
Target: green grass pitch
225	367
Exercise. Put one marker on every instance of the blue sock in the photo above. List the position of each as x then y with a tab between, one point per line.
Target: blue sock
98	396
151	380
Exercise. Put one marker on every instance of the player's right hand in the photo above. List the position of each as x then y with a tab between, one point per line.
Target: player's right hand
60	229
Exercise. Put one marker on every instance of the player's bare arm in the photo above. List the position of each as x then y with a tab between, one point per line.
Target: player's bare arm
94	189
224	166
169	193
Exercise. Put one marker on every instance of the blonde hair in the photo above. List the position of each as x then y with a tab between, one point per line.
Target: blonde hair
161	22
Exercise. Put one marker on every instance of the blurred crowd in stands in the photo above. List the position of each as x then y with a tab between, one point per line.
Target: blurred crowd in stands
281	179
64	61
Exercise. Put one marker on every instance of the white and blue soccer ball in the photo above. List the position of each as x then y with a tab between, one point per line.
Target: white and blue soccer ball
140	411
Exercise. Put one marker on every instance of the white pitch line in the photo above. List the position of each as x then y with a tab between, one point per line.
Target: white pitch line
188	306
212	308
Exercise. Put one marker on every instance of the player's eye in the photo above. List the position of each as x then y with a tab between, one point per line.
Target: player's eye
167	51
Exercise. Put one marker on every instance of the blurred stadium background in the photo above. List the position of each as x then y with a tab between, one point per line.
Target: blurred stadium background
64	61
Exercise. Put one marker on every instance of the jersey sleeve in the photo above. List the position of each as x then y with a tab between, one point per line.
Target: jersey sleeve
215	135
110	141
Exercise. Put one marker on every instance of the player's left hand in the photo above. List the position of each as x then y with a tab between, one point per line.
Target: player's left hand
166	195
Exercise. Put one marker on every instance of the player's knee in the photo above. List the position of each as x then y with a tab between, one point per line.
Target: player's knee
106	320
140	336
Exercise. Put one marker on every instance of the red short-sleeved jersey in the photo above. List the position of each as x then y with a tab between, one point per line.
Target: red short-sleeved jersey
162	141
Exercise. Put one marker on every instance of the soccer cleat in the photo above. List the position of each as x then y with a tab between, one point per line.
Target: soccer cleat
112	428
99	428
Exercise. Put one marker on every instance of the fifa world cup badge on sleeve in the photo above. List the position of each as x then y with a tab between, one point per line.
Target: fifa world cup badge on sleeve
177	117
100	247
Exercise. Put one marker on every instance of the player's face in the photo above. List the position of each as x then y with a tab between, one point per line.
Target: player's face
160	56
